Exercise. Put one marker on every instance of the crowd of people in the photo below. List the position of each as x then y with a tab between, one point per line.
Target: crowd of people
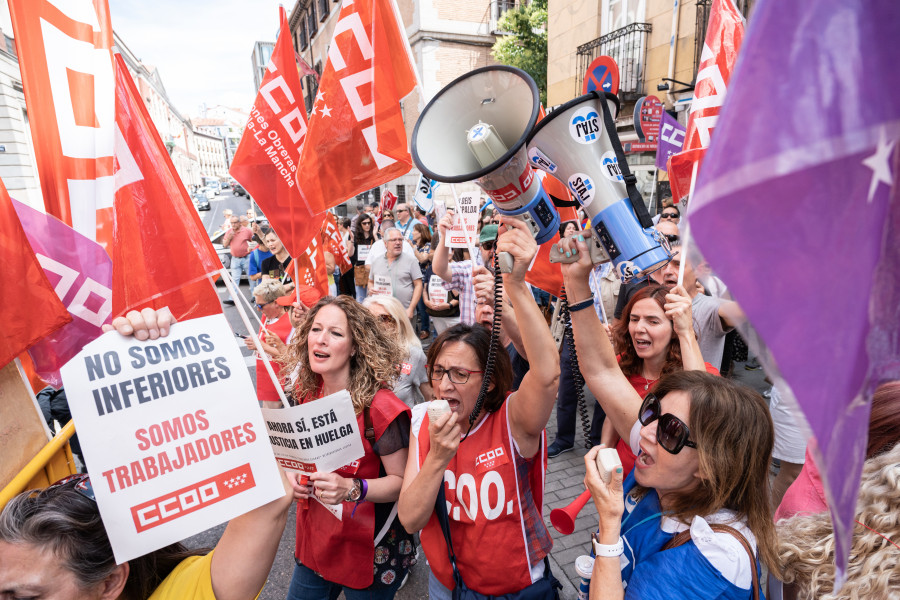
690	513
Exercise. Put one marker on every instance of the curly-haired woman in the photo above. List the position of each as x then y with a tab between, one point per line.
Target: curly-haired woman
364	550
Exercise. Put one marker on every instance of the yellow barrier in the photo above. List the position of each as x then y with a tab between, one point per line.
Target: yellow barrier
51	464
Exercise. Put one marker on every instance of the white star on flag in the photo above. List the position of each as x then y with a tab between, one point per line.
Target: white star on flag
319	96
880	164
326	112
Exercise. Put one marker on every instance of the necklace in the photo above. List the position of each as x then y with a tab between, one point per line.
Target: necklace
648	382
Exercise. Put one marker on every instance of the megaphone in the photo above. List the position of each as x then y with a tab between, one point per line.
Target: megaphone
575	145
475	130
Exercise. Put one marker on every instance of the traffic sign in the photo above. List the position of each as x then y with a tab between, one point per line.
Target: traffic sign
603	75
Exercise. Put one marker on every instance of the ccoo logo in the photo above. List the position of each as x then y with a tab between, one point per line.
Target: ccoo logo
585	125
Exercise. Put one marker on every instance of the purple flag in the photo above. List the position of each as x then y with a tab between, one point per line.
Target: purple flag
797	209
81	274
671	139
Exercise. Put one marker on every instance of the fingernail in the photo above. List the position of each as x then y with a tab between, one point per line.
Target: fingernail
568	253
618	469
574	250
580	238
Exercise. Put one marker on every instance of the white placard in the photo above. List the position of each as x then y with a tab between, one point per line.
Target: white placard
381	285
362	252
464	233
324	434
436	290
171	433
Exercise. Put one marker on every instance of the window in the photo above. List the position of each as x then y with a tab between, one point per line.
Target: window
312	21
401	193
301	35
323	10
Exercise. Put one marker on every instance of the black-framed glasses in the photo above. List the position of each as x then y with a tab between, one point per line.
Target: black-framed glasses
669	215
671	433
489	245
83	485
457	375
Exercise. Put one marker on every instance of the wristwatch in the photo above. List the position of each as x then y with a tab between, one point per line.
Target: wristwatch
355	491
607	550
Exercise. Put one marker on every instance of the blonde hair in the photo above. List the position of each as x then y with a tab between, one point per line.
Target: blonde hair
806	542
405	332
373	359
269	290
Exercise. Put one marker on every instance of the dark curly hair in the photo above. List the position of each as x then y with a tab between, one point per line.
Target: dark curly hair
630	363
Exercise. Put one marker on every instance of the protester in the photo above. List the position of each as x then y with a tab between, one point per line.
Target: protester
705	445
413	385
54	545
347	286
275	328
396	273
227	213
806	543
421	246
276	266
259	254
363	238
238	241
498	551
443	310
457	276
365	552
405	221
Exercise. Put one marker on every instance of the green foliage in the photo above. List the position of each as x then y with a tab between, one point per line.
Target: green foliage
526	45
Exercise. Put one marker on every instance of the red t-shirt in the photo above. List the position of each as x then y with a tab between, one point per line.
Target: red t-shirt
238	245
622	446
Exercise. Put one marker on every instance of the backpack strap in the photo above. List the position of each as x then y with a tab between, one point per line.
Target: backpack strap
370	428
685	536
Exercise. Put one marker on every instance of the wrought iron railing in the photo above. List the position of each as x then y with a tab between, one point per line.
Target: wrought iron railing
628	47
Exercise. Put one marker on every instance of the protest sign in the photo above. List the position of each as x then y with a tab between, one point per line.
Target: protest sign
171	432
436	290
465	224
324	433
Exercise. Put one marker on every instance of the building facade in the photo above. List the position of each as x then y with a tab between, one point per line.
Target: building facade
656	45
262	52
447	37
211	154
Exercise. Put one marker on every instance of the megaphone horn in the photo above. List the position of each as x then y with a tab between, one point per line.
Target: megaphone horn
475	130
563	519
577	143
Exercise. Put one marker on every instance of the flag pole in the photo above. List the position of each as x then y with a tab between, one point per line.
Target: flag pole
686	234
262	353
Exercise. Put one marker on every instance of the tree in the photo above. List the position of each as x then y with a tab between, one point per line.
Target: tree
525	46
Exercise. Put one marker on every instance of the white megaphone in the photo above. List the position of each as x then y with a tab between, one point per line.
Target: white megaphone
475	130
576	143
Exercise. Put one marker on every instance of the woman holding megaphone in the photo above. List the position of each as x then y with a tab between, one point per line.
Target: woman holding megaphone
695	513
474	480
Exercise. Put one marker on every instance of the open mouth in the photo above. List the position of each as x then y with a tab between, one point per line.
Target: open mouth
641	344
321	355
644	461
454	404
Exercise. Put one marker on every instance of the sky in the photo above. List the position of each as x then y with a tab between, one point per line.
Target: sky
201	48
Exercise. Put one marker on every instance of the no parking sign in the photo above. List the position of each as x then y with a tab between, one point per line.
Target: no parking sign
602	75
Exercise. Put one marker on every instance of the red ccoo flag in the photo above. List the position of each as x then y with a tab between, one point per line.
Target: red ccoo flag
265	162
720	49
356	138
161	253
29	307
334	243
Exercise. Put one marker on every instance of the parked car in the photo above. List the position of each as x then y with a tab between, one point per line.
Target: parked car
201	202
208	192
238	189
215	238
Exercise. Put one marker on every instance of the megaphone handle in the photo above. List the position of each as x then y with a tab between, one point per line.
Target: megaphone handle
598	254
505	262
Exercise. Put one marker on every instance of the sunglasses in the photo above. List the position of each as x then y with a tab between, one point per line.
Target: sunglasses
671	432
487	246
83	485
671	237
262	306
669	216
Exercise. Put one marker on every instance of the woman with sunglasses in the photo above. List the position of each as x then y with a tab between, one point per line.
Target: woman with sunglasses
363	238
488	458
364	551
273	334
412	385
704	445
54	545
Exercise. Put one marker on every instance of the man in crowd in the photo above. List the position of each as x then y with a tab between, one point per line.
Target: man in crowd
405	222
397	274
238	241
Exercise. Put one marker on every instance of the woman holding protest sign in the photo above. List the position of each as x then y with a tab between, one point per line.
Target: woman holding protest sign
486	455
363	239
692	517
349	539
54	545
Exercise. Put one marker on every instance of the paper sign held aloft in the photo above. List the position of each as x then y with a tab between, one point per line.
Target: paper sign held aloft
465	224
171	433
324	433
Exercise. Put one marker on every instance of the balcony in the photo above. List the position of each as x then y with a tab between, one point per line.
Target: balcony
628	47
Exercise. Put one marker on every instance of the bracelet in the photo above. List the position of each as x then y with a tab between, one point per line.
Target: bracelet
581	305
365	490
607	550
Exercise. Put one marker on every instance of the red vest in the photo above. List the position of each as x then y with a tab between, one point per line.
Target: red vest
343	552
485	508
265	389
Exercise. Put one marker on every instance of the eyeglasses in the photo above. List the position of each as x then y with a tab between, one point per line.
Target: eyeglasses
457	375
395	240
671	237
83	486
387	319
489	245
671	432
669	216
402	210
369	223
262	306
